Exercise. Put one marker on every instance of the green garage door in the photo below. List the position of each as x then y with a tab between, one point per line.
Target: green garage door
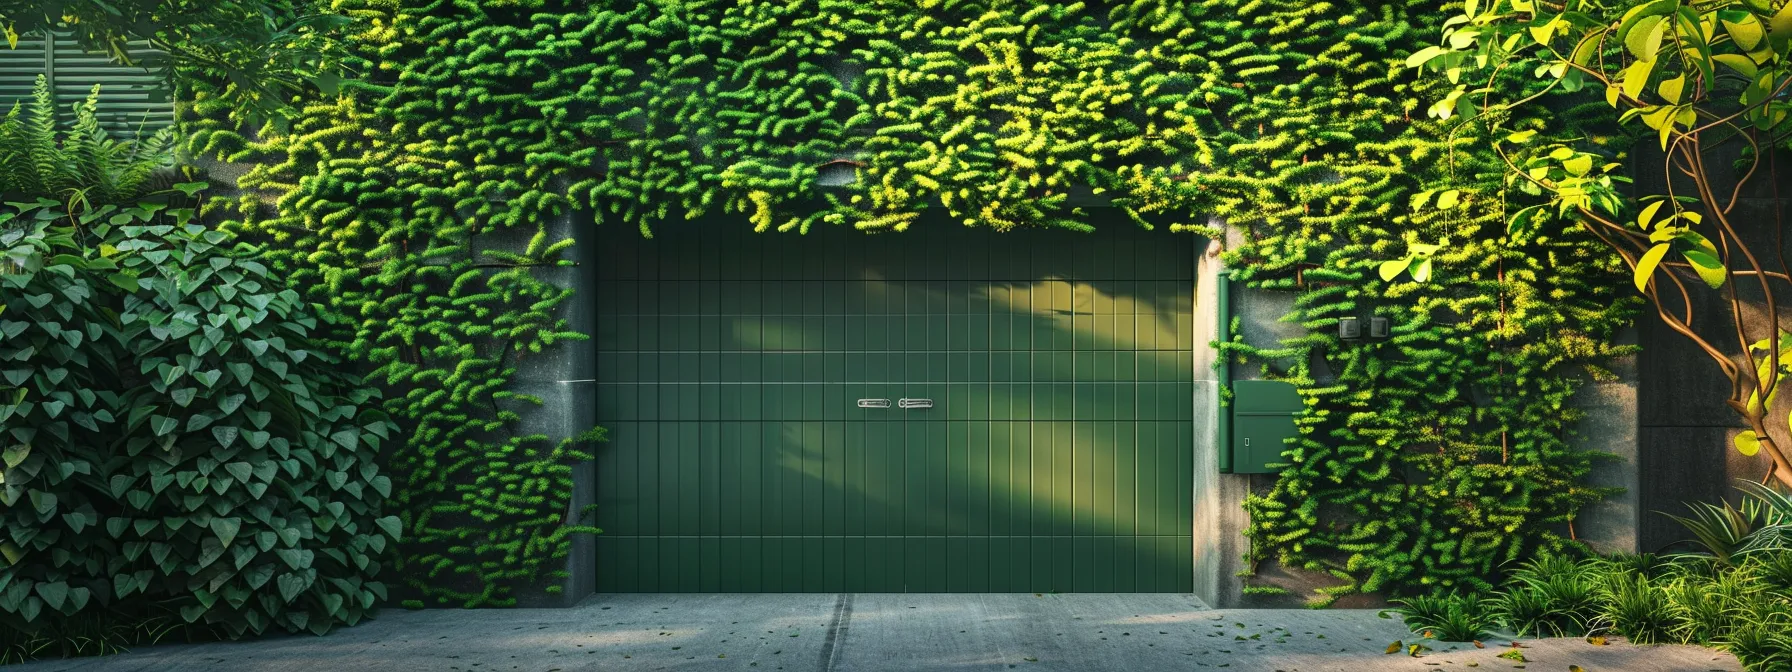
1055	455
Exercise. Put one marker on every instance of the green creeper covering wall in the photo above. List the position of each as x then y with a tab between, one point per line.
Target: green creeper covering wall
471	123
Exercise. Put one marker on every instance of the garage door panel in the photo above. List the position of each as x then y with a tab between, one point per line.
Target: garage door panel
978	479
739	459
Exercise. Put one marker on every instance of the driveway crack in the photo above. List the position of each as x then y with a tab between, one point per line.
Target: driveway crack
836	637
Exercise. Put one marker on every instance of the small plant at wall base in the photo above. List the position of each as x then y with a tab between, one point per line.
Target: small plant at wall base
175	453
1705	81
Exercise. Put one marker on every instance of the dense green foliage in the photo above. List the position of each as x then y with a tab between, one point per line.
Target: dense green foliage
173	446
1429	459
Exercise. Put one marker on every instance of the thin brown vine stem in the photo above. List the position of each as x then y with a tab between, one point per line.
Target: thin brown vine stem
1732	117
1764	388
1723	361
1779	228
1779	467
1736	192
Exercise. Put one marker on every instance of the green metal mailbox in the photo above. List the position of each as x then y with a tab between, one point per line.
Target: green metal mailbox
1262	420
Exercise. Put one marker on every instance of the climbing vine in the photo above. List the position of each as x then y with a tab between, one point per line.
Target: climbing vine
422	202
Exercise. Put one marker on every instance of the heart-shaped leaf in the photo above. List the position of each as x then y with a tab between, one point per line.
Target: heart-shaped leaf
226	529
391	525
241	470
230	403
16	455
54	593
162	424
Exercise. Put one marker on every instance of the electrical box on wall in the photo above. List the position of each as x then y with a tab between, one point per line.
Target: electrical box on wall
1262	421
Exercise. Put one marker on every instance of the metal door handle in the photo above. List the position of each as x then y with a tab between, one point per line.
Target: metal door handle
874	403
914	403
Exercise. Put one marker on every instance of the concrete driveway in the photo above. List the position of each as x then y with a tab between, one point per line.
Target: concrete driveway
1150	632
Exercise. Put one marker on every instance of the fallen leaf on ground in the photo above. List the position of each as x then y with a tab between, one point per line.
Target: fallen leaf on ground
1596	640
1395	646
1479	645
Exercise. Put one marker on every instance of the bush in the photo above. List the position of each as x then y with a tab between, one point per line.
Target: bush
173	450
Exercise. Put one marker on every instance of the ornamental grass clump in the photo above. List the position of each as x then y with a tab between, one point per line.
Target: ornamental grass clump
1732	591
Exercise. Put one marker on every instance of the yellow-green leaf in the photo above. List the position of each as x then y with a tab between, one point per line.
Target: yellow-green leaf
1781	23
1746	32
1392	269
1739	63
1448	199
1424	56
1579	165
1648	214
1709	268
1521	136
1422	272
1636	78
1589	45
1644	39
1611	95
1672	88
1645	266
1543	33
1747	443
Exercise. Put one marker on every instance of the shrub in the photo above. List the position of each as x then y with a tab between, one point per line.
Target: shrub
174	452
1554	595
1448	618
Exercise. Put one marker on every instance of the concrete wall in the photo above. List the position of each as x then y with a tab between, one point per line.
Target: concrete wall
565	380
1218	511
1610	526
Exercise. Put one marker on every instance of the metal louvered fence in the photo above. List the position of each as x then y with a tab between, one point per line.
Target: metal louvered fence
133	99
